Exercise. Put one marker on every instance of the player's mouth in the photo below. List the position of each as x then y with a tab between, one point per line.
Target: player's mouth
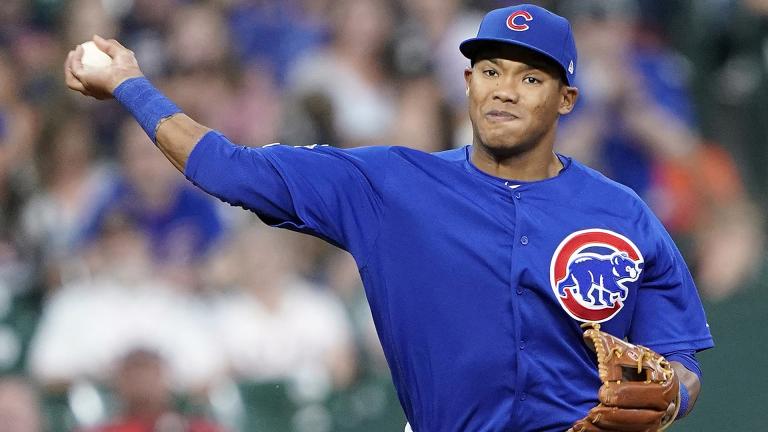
495	116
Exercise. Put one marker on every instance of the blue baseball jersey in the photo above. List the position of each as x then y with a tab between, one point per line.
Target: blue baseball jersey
477	285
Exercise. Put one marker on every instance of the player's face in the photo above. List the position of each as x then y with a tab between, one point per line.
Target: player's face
515	99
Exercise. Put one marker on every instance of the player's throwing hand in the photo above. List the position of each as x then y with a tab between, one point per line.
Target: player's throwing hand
100	82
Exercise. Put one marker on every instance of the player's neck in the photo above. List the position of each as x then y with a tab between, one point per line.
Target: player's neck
532	165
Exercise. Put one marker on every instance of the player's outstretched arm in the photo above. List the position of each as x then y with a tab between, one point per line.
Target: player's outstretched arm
174	133
284	185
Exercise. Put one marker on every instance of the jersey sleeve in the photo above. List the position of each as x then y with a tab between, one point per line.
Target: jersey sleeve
669	315
331	193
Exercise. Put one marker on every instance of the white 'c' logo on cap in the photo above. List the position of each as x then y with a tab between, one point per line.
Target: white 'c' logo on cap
513	19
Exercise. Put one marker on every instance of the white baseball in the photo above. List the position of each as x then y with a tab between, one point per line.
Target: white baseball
93	57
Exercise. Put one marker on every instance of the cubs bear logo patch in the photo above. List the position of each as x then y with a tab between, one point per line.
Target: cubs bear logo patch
590	271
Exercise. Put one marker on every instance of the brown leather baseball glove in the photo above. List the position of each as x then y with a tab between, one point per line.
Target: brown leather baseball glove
640	389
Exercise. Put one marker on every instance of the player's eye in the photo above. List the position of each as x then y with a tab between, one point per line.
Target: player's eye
490	73
531	80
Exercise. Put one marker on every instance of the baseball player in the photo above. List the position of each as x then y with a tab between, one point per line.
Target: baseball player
482	263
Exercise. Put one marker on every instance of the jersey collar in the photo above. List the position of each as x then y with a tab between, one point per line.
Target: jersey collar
565	160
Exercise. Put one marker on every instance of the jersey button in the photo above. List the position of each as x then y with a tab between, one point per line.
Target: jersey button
519	291
524	240
518	195
523	397
522	344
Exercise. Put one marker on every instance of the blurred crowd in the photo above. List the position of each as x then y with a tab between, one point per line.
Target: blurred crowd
131	302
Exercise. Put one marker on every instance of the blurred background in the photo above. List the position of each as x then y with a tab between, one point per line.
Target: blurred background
130	301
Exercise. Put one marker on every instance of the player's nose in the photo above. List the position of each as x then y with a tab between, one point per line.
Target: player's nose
506	92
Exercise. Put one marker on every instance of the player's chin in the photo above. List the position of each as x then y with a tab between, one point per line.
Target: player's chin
504	145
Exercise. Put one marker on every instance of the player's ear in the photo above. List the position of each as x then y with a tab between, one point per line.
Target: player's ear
468	78
568	97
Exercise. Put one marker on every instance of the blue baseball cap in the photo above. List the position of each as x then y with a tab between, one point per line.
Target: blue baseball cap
528	26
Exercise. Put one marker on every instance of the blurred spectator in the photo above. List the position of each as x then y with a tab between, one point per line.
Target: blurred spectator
144	28
71	183
85	18
36	58
16	277
629	86
274	325
274	34
198	39
210	85
427	40
180	222
421	111
635	122
18	132
425	55
728	42
346	86
18	177
145	398
344	277
120	304
14	16
20	409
